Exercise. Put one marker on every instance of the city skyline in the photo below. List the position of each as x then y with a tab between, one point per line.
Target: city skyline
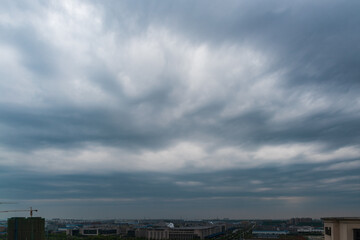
180	109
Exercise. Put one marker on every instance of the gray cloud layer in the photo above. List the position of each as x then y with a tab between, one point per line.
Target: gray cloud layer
262	98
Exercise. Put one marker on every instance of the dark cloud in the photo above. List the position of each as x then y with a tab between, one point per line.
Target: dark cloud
165	98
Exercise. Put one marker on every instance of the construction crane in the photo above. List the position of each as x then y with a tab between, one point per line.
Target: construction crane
26	210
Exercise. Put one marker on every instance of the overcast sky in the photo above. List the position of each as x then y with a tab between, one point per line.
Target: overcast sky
180	109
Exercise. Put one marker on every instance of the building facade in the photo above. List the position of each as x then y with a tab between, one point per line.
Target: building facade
157	234
20	228
342	228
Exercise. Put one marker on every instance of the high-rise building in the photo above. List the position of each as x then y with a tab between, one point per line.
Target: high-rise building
20	228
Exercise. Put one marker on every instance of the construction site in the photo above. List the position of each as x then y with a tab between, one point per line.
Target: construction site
25	228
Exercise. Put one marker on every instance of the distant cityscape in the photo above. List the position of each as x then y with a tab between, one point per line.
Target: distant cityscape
37	228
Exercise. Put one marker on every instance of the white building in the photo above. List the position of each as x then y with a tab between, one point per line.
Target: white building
342	228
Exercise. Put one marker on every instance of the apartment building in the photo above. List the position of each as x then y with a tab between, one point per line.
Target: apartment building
342	228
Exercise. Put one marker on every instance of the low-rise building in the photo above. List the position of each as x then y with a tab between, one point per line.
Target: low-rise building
92	231
268	234
182	233
309	229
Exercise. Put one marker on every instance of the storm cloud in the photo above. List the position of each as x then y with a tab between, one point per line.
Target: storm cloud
243	104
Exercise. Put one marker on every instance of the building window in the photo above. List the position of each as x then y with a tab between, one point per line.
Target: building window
328	231
356	234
